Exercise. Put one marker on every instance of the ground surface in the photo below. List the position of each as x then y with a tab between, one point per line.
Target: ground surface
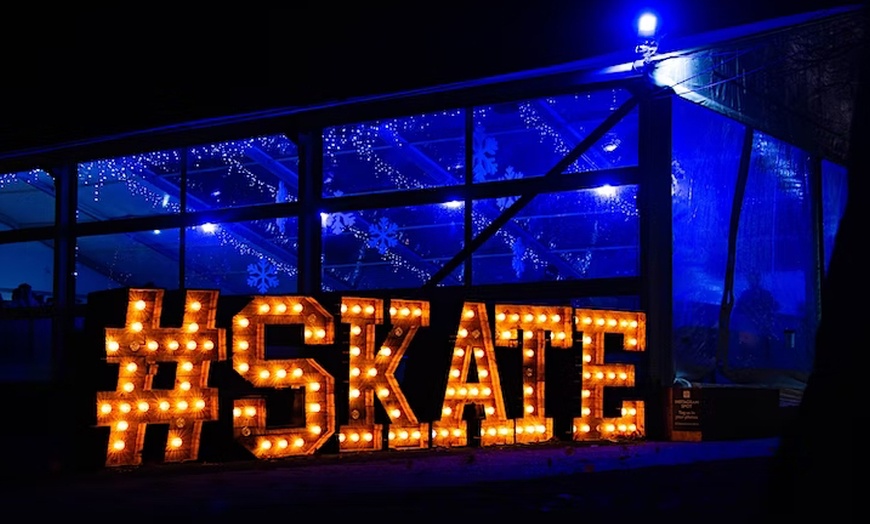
701	482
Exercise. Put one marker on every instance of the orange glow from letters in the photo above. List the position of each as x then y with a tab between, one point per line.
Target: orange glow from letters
372	374
138	348
249	360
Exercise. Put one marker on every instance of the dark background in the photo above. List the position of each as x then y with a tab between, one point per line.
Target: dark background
69	74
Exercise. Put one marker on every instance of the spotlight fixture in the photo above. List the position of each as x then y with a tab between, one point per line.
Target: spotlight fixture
647	44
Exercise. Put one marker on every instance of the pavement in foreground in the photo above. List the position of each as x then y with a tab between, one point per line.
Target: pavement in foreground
699	481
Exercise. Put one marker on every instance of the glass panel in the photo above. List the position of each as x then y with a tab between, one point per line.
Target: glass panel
26	287
241	258
413	152
27	276
774	319
527	139
835	185
26	200
561	236
130	186
260	170
141	259
391	248
706	156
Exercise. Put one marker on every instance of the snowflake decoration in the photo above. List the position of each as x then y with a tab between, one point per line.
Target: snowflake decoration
262	275
281	196
518	264
506	202
384	234
338	223
484	149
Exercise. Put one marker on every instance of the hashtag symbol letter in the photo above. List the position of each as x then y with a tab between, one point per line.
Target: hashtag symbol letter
138	348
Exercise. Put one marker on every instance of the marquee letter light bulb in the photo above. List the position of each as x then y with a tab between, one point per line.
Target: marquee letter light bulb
249	360
539	322
377	364
138	348
473	341
596	375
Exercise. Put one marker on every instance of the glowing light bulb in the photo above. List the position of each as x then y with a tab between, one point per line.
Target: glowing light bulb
139	305
176	442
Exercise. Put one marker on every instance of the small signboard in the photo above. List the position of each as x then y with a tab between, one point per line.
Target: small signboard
685	410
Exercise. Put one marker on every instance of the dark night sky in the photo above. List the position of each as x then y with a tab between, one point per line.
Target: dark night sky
95	72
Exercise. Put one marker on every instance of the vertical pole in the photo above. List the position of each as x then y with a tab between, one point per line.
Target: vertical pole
656	251
310	271
64	362
182	233
65	203
818	222
469	203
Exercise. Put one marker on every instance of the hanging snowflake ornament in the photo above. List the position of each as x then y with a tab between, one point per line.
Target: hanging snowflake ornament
262	275
383	234
281	196
338	223
483	155
506	202
519	252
